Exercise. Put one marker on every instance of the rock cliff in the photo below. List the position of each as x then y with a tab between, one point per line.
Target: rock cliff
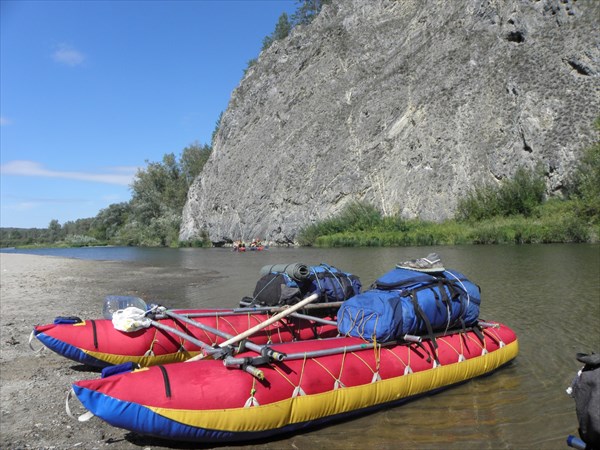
404	104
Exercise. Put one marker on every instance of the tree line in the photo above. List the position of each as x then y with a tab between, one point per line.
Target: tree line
151	217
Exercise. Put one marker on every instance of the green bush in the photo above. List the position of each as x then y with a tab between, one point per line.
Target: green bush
77	240
586	183
518	195
356	216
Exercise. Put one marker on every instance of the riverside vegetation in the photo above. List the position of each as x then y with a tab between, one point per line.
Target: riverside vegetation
515	211
150	219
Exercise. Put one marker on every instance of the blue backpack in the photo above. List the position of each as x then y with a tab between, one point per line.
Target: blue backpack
277	287
333	284
405	301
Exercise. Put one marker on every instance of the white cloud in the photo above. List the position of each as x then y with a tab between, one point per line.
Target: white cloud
34	169
27	204
5	121
124	169
65	54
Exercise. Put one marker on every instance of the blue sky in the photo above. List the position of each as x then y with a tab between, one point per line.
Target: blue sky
91	90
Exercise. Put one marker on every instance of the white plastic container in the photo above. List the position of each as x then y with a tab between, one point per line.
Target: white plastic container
114	303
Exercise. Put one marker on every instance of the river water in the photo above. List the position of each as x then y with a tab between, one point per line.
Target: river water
548	294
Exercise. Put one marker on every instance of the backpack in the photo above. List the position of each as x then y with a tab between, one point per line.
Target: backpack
585	389
333	284
405	301
277	288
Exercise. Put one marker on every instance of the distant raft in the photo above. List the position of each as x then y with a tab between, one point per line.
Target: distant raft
316	382
97	343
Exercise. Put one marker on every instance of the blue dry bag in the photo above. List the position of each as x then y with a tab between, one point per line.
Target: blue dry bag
331	283
405	301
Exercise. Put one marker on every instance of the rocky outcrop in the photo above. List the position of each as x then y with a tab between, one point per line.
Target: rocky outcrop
403	104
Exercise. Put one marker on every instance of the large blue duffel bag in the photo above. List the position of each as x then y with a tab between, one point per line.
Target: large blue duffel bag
409	302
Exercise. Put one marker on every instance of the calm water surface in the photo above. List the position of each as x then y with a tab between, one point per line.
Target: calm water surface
549	294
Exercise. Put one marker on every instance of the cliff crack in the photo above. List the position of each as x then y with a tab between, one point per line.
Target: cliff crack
579	67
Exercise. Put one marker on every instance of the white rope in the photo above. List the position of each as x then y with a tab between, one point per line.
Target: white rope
298	391
31	336
251	402
464	287
82	418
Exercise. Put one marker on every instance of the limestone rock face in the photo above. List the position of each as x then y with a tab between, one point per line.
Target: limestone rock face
403	104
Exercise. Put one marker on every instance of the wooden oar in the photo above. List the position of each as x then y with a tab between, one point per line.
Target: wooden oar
262	325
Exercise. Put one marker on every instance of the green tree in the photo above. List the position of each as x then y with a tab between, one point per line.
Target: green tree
157	188
307	11
192	161
54	230
585	189
282	30
106	225
519	195
79	226
159	195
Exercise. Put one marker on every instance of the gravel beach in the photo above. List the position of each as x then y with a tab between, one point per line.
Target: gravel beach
34	386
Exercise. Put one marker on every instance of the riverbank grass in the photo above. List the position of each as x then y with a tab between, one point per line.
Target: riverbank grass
554	221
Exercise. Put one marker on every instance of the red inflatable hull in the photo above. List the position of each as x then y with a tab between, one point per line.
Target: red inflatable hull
97	343
205	401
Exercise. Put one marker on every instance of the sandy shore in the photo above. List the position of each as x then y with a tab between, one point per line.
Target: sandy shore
34	290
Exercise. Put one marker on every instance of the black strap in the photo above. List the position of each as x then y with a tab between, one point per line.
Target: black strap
424	318
93	322
463	326
479	334
454	289
166	380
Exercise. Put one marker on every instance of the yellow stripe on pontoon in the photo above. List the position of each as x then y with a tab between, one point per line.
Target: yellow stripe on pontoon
316	406
141	360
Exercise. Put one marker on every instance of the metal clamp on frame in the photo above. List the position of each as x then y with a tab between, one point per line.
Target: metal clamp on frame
247	364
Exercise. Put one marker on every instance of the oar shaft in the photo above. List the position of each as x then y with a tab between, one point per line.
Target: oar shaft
345	349
208	328
268	322
315	319
259	310
182	335
283	308
336	350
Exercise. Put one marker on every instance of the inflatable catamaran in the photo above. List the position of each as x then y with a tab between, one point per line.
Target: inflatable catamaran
411	334
318	381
